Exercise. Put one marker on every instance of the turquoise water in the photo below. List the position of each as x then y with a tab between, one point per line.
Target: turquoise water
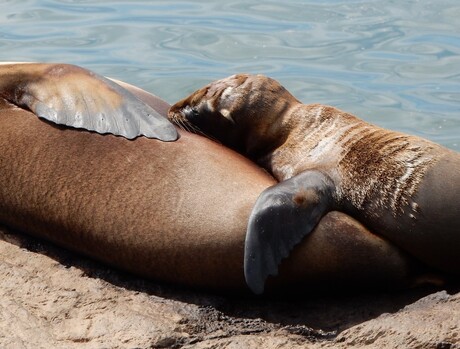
394	63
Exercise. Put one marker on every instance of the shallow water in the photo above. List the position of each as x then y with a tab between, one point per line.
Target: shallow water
394	63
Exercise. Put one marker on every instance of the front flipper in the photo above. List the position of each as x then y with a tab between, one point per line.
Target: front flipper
76	97
282	216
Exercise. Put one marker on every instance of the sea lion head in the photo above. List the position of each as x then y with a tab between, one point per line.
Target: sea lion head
240	111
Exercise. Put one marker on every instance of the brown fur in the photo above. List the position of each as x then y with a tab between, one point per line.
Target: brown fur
377	168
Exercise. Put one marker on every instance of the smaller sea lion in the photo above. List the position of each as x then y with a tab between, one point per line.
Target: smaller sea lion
402	187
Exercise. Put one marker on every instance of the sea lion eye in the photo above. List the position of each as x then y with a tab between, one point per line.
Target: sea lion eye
191	113
195	112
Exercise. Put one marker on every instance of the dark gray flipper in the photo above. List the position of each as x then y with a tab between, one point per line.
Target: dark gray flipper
282	216
76	97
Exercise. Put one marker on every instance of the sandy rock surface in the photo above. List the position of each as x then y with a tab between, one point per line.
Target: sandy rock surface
51	298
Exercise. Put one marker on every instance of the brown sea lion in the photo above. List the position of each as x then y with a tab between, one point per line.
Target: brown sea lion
174	211
404	188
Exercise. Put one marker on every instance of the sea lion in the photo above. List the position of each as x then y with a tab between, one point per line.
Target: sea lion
173	211
402	187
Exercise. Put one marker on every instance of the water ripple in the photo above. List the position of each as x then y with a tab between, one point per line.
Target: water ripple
396	64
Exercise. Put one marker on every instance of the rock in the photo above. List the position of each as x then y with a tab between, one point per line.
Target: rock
431	322
51	298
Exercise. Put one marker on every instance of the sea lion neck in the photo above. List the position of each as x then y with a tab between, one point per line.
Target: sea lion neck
269	130
308	131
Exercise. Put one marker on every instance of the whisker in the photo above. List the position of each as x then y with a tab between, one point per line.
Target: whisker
185	125
177	121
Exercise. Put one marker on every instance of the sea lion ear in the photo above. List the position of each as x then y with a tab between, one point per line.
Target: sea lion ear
282	216
73	96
